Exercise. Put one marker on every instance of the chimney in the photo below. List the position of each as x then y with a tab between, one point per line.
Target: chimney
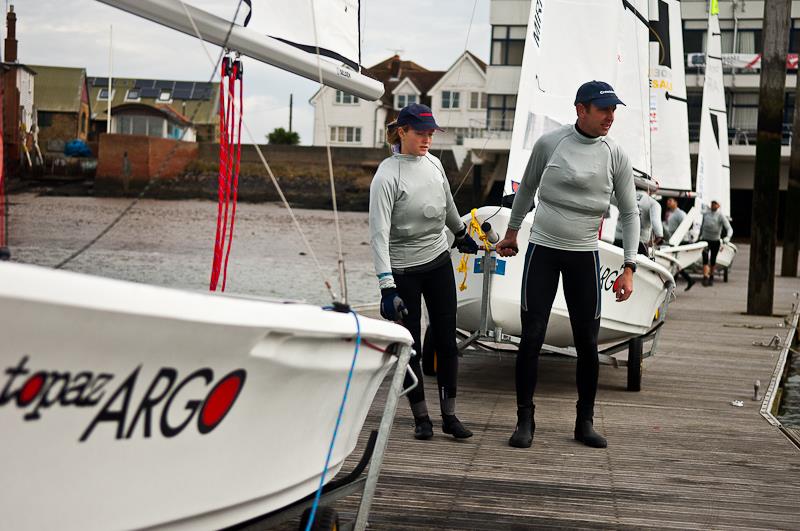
11	37
394	68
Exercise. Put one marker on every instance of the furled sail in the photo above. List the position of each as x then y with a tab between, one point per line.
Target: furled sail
568	43
282	34
669	122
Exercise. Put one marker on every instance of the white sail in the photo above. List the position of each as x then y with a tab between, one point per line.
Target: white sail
570	42
669	122
713	166
282	34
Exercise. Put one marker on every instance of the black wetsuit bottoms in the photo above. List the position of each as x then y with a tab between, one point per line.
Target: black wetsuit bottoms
713	249
580	271
434	281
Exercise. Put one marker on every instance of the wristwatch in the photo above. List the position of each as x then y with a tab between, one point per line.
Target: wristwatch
630	265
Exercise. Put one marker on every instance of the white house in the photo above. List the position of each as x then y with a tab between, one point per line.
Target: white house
458	100
456	96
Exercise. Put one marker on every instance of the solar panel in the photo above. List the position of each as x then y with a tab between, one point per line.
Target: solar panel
201	93
144	83
184	85
100	82
150	93
163	84
182	93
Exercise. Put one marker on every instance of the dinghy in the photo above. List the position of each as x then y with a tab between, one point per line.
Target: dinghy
713	161
609	42
669	123
132	406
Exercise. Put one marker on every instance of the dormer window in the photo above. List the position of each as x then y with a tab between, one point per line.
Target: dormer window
133	95
103	94
165	95
404	99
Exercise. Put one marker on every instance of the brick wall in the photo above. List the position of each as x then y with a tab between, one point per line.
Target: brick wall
148	157
63	127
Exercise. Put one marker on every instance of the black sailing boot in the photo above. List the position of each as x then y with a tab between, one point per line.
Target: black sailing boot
584	432
523	433
452	426
423	428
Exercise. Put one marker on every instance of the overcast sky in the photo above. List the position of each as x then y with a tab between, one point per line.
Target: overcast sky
75	33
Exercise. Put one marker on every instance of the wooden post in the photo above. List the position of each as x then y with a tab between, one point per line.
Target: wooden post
761	282
791	227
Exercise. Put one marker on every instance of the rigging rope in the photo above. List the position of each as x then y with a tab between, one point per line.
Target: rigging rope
230	155
462	264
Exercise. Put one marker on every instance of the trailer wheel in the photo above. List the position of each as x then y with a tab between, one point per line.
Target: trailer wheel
725	274
428	354
326	519
635	364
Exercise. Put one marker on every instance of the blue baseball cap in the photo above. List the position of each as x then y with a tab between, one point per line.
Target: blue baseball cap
418	116
599	93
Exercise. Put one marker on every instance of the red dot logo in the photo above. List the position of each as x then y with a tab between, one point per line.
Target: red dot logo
31	389
220	400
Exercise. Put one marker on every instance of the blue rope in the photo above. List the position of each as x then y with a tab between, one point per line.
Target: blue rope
315	505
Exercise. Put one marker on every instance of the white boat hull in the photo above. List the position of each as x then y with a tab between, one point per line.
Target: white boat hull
619	321
130	406
680	256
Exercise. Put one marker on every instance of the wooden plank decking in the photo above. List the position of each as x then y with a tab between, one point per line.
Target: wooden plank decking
680	455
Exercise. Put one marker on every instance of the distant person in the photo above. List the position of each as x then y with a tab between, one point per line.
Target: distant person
651	232
409	206
575	168
674	218
711	232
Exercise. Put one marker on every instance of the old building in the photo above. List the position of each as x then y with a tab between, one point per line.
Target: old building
62	105
18	98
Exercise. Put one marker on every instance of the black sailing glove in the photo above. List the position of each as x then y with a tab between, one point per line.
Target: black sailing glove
464	242
392	306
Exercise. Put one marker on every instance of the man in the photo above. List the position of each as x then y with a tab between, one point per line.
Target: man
575	168
710	231
651	231
675	217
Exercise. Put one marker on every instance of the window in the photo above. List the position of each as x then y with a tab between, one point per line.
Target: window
44	119
477	100
508	44
344	98
346	135
165	95
103	94
405	99
140	125
500	112
450	99
133	95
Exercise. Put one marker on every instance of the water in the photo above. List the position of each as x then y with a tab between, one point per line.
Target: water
170	243
789	414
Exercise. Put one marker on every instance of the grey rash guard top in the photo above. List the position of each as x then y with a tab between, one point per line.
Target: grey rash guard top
575	176
673	222
409	205
712	225
649	218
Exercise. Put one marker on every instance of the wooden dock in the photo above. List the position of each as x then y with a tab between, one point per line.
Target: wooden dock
680	455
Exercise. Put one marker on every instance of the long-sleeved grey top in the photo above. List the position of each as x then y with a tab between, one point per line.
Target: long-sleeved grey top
712	225
575	176
409	205
649	218
674	221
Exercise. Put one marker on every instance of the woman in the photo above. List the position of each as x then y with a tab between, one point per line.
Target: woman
410	204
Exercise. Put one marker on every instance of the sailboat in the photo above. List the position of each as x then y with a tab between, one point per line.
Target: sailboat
669	122
124	405
713	161
606	41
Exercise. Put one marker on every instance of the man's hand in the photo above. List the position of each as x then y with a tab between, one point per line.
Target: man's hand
508	245
623	287
726	239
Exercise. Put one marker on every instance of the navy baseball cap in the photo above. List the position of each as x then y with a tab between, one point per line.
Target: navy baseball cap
599	93
418	116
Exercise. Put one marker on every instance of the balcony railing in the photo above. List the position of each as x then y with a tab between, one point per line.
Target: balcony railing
496	129
741	136
738	63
